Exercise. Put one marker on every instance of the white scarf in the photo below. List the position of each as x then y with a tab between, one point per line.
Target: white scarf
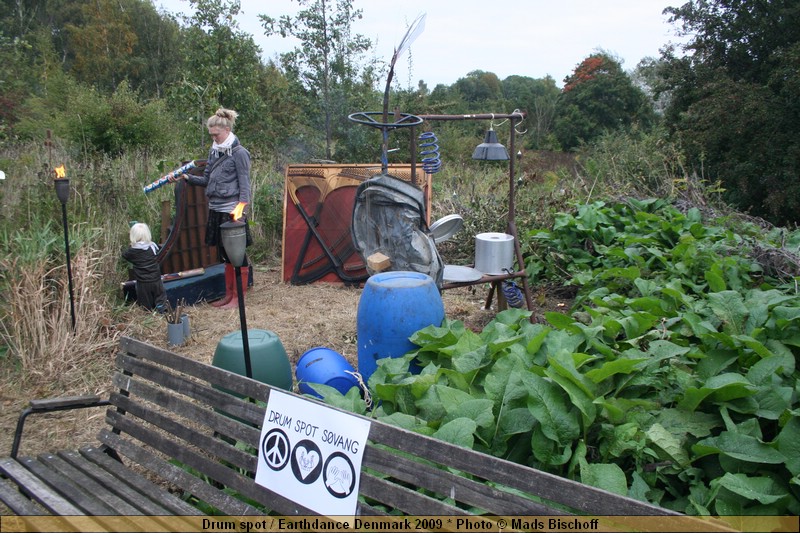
225	146
146	246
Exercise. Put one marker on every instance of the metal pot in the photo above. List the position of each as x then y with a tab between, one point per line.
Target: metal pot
494	253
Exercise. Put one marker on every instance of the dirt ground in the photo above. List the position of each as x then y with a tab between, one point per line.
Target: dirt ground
303	317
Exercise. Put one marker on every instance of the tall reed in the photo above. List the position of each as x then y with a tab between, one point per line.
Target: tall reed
36	317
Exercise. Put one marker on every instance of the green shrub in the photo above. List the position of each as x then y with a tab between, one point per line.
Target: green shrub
673	380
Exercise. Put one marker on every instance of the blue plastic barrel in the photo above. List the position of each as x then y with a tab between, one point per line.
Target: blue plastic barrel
325	366
393	306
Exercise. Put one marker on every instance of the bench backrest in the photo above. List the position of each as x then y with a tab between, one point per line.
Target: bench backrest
195	427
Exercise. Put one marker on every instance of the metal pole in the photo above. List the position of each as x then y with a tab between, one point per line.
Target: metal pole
243	323
69	267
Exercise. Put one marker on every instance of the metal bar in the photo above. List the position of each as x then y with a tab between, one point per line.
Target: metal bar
480	116
248	368
413	155
69	266
77	403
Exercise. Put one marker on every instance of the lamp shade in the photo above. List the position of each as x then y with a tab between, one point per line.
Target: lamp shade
62	189
490	149
234	240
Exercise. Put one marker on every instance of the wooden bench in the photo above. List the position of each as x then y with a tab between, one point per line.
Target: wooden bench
175	434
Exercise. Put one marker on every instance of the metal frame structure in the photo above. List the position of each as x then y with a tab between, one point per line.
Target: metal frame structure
494	280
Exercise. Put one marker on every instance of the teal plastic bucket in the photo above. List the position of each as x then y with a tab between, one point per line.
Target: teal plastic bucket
268	359
325	366
393	306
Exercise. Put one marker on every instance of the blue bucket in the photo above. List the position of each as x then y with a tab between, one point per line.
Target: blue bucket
325	366
394	306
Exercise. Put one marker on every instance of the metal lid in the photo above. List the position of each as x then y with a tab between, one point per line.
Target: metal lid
446	227
461	274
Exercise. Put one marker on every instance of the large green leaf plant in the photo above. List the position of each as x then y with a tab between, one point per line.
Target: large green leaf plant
672	380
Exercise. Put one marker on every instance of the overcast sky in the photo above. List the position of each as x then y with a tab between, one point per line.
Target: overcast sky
533	38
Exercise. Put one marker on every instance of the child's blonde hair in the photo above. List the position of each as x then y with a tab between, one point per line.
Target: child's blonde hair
140	232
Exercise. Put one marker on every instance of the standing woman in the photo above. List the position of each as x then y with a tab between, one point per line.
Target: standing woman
227	181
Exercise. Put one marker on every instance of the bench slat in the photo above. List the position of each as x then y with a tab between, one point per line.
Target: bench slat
198	410
213	423
37	489
570	494
179	477
94	491
166	501
191	438
16	501
422	473
216	471
214	375
208	443
407	500
201	391
117	489
87	502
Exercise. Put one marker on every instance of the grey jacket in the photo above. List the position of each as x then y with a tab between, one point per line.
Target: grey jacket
226	178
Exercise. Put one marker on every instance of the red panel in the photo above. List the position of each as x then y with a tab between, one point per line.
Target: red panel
305	258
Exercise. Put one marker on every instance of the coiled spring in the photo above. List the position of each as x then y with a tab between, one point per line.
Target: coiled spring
431	162
513	294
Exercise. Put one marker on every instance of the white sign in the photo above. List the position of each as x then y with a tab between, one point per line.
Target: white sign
311	454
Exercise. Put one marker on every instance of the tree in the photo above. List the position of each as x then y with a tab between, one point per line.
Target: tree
538	98
479	87
101	44
599	97
733	100
327	61
221	67
157	61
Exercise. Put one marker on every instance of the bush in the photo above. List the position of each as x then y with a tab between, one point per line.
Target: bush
117	124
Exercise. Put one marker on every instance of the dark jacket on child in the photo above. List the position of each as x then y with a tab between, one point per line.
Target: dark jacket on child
150	292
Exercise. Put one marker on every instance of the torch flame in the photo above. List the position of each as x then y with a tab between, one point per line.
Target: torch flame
238	210
61	172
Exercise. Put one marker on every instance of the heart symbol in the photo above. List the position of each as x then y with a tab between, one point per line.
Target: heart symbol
306	460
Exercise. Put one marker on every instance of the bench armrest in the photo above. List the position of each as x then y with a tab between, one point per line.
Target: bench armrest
50	405
64	402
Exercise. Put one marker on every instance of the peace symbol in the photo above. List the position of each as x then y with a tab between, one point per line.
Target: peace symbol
275	449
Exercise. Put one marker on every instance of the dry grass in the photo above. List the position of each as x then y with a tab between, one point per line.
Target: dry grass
37	325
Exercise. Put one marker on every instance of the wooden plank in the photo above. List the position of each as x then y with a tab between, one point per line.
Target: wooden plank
406	500
49	404
564	492
423	474
167	501
87	485
207	409
113	487
190	438
179	477
116	492
69	490
209	414
37	489
215	376
218	473
16	501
